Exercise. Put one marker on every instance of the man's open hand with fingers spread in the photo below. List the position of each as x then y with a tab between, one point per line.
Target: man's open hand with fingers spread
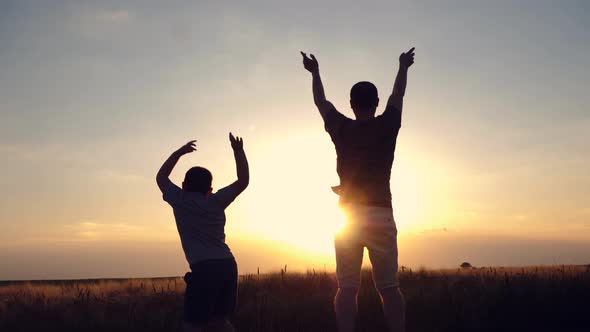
310	63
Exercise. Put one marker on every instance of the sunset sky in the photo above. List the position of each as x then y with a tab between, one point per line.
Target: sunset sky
491	164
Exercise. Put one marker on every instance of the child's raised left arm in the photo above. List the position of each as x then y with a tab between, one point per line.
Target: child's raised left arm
242	168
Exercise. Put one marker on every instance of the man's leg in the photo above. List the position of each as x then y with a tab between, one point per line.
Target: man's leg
225	326
218	325
394	308
382	247
346	308
190	327
215	325
349	258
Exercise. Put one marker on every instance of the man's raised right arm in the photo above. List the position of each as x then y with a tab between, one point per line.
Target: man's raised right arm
319	97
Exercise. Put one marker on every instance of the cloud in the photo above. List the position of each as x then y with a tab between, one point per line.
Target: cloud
47	153
95	22
584	212
116	176
90	231
518	217
94	14
70	158
95	230
433	230
112	16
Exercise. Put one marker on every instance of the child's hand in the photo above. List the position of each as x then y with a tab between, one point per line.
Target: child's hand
187	148
236	142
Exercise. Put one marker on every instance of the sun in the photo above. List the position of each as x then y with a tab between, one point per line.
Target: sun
290	198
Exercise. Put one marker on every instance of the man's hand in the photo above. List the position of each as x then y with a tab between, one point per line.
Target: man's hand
399	86
237	143
187	148
311	64
319	97
407	59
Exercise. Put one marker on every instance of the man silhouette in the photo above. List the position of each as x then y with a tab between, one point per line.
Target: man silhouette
365	150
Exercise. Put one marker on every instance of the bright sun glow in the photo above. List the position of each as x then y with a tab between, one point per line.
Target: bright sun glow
294	202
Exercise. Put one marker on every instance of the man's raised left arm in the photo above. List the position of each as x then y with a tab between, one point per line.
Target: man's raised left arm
396	100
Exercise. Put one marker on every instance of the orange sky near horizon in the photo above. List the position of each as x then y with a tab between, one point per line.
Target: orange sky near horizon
490	167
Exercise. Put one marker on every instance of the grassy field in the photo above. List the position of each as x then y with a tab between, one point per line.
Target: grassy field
487	299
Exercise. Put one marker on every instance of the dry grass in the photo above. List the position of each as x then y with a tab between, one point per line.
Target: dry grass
488	299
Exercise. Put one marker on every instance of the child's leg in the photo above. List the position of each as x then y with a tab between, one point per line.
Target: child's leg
226	274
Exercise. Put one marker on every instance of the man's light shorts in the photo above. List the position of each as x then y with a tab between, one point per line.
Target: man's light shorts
372	227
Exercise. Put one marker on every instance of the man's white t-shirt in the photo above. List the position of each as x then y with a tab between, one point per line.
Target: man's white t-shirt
200	220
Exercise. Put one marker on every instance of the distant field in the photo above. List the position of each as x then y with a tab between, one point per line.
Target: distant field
487	299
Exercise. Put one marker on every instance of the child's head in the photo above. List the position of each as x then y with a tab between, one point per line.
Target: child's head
364	99
197	179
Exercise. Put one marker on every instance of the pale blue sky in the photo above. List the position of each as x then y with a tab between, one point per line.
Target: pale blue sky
94	95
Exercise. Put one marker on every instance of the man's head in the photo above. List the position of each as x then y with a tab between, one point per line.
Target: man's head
364	100
197	179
